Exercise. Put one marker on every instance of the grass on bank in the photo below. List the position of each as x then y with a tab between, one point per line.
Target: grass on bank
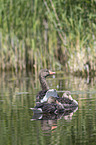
39	34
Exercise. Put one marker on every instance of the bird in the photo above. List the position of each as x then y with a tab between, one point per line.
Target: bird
42	78
45	93
50	106
67	100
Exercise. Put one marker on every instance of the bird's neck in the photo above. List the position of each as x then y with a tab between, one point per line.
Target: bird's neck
43	83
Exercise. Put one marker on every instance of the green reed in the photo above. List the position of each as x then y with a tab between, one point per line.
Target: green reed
39	34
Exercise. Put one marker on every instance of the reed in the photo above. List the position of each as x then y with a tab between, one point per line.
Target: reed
39	34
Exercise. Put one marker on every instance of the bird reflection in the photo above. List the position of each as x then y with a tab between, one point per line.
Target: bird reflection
49	121
51	116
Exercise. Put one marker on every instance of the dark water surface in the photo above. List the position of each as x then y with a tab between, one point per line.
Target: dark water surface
17	126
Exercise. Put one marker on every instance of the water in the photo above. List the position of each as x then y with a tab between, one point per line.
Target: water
17	127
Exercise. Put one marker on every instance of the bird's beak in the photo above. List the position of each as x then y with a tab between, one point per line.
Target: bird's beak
51	73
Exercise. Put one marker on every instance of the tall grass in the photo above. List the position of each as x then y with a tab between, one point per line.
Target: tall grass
39	34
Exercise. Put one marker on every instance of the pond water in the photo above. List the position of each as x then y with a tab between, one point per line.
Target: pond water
17	123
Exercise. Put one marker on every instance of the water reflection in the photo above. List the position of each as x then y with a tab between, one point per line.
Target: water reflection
67	115
49	121
18	94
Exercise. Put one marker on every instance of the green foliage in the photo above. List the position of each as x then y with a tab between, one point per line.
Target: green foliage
46	33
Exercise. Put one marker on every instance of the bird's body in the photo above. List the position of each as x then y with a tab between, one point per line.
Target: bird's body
41	95
50	106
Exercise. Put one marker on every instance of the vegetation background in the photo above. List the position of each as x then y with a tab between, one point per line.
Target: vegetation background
54	34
